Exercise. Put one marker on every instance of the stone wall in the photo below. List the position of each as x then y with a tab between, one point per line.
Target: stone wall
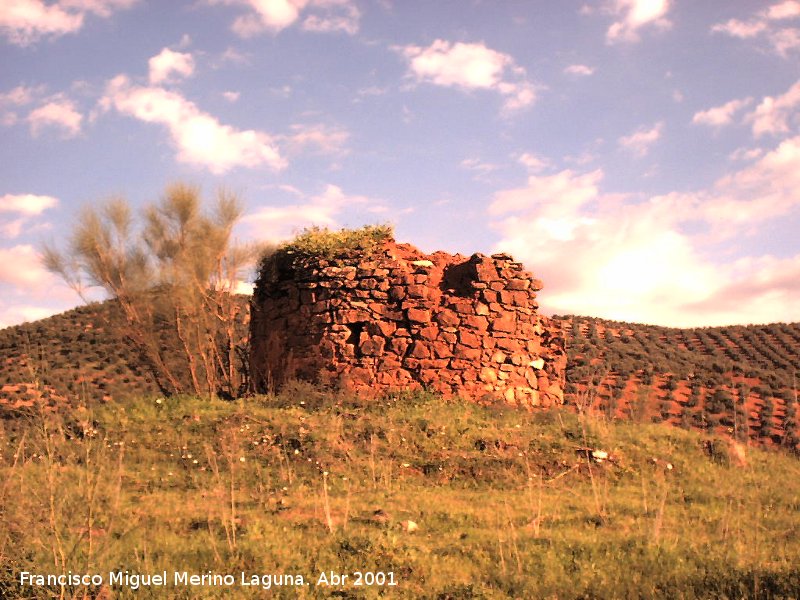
396	319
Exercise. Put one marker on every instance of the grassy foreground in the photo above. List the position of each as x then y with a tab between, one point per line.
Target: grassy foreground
306	483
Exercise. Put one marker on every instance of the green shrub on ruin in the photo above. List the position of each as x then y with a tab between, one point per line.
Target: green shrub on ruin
325	243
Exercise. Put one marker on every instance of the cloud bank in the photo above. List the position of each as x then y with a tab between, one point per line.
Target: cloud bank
609	255
199	138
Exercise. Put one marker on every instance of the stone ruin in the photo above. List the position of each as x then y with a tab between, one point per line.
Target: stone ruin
394	318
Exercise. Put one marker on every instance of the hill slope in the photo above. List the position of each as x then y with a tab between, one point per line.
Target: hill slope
738	380
727	380
78	355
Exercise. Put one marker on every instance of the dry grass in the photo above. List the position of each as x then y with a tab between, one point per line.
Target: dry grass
308	482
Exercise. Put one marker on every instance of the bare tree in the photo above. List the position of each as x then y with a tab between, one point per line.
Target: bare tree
174	281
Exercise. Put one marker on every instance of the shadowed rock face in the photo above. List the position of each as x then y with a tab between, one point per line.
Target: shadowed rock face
397	319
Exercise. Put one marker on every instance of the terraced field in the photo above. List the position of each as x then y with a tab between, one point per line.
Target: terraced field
738	381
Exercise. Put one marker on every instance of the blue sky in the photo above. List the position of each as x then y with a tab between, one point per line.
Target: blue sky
642	157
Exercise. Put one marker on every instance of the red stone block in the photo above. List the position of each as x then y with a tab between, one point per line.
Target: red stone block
466	353
447	318
506	323
418	291
397	293
441	350
448	337
485	270
469	339
479	323
489	296
518	284
372	346
416	315
428	333
420	350
399	345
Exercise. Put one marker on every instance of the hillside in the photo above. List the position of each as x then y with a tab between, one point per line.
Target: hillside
81	356
76	356
737	380
727	380
447	500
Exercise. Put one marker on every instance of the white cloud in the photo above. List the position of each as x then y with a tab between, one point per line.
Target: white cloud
232	56
324	138
168	64
21	266
19	96
101	8
767	189
761	289
481	169
267	15
24	282
231	96
199	137
635	14
785	40
767	25
773	115
26	204
277	223
59	113
11	229
471	67
788	9
17	209
720	115
579	70
740	29
341	15
639	141
533	163
275	15
746	154
23	22
22	313
607	255
333	195
372	90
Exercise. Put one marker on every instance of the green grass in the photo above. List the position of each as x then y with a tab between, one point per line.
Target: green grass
505	505
323	243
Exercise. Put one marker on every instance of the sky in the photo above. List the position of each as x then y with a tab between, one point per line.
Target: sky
641	157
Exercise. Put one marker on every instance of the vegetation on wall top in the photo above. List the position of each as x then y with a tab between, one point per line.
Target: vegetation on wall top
325	243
